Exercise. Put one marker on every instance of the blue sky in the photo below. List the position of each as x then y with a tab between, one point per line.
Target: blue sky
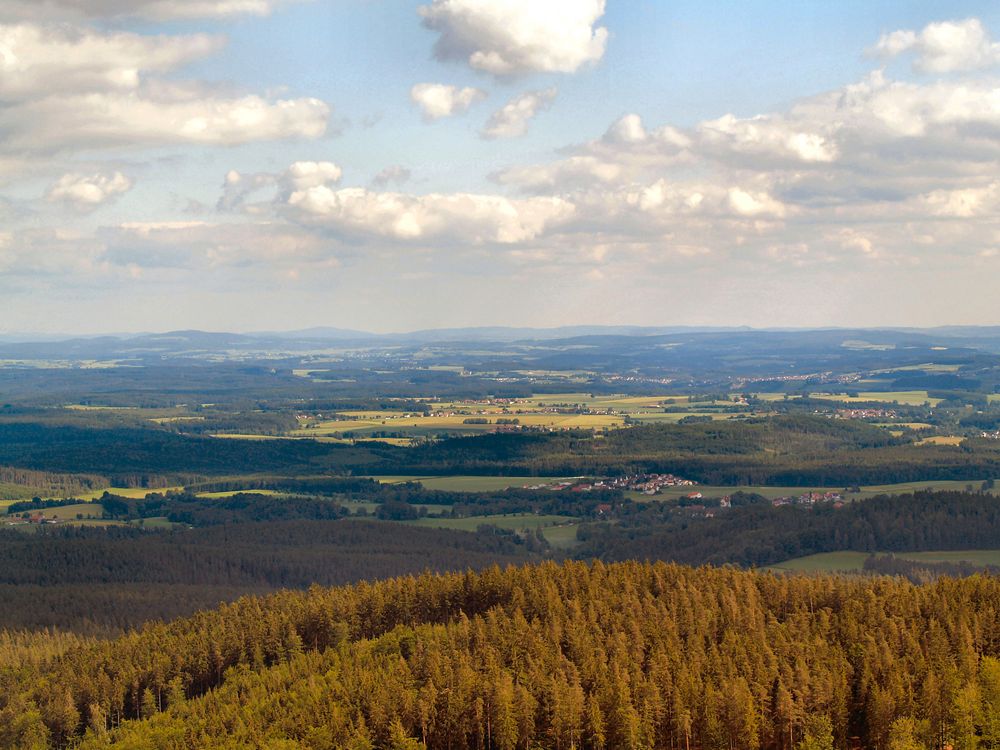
216	163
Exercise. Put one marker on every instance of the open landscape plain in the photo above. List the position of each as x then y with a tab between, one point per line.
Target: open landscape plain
188	471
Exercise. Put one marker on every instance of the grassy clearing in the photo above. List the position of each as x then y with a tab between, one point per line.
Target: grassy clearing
132	492
230	493
562	536
853	562
825	562
420	426
675	493
70	512
942	440
674	417
512	522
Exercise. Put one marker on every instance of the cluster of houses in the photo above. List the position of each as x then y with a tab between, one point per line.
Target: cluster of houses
994	435
649	484
34	518
811	498
866	413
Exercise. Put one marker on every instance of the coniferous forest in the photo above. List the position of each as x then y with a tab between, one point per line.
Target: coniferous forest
627	655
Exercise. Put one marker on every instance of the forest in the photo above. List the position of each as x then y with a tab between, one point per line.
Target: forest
760	535
628	655
786	449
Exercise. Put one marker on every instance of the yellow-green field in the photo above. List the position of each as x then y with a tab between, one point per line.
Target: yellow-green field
70	512
456	423
674	493
468	483
852	562
941	440
907	398
132	492
513	522
230	493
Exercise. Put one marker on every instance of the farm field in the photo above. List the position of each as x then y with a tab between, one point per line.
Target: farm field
421	426
469	483
908	398
513	522
70	512
132	492
230	493
675	493
561	537
847	561
942	440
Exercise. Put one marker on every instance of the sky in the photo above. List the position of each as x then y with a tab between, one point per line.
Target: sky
389	165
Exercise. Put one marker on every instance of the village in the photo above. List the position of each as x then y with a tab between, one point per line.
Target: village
648	484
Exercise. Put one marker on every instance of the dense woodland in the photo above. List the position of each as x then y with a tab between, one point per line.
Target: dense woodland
759	534
102	580
622	656
792	450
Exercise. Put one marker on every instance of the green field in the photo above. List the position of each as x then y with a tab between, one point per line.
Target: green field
70	512
908	398
514	522
675	493
468	483
852	562
230	493
134	492
560	537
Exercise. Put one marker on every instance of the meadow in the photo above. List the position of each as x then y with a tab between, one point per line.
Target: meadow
853	562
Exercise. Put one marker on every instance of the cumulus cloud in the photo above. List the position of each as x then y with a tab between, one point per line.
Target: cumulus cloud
101	120
301	175
567	174
943	47
88	192
518	36
511	120
459	217
64	88
60	59
438	100
156	10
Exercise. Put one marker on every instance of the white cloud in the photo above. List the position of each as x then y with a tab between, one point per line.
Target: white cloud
41	60
87	192
459	217
511	120
518	36
627	129
101	120
301	175
569	173
437	100
943	47
156	10
64	88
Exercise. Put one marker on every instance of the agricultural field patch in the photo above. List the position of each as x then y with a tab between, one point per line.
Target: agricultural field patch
470	483
511	522
907	398
941	440
853	562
